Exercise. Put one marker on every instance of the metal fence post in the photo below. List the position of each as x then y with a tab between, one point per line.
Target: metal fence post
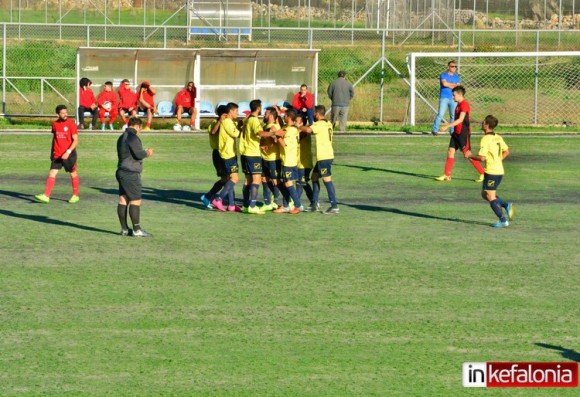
4	69
536	75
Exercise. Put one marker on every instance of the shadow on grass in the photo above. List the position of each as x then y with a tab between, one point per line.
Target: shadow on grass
373	208
46	219
565	353
182	197
21	196
413	174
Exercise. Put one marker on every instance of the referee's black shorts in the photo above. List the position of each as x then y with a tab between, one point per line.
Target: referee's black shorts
129	184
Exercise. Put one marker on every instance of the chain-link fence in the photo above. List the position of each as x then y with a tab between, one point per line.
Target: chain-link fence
525	89
38	60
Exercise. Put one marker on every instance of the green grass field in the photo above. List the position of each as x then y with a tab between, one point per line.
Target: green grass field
388	298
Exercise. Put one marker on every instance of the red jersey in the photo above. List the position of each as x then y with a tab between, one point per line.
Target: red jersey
148	97
107	96
63	131
86	97
128	98
186	98
299	102
462	107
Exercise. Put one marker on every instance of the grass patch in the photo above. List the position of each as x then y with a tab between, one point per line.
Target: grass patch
388	298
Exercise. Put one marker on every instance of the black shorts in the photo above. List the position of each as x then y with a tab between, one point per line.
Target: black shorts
129	184
303	176
271	169
323	168
126	110
289	174
231	166
251	165
460	141
491	182
218	163
70	164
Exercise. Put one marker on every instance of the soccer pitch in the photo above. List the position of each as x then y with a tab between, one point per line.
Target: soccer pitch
388	298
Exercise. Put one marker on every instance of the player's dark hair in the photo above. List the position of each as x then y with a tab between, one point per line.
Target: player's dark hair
109	83
133	121
59	108
320	109
303	118
255	104
230	106
459	89
273	112
83	82
303	85
291	113
491	121
221	109
450	62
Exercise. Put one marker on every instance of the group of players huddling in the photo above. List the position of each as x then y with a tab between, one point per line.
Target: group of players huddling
275	152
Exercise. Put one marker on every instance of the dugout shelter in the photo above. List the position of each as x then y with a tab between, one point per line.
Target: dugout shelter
220	75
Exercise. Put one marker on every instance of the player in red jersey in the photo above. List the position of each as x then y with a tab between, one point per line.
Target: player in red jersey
127	103
460	137
146	103
87	103
185	101
107	101
63	154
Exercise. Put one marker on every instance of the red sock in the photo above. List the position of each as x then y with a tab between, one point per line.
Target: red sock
148	125
75	182
449	165
477	166
49	185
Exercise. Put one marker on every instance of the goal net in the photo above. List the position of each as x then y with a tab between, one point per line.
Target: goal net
524	88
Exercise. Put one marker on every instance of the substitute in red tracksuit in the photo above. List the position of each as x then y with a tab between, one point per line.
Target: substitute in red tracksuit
87	103
127	101
63	154
185	101
145	102
304	103
107	101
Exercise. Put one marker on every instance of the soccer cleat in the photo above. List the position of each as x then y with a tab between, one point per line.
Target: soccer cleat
125	126
255	211
42	198
443	178
141	233
296	210
147	129
434	133
266	207
274	205
244	210
501	224
177	127
206	202
81	126
124	232
111	127
281	210
234	208
218	205
511	211
332	210
91	127
479	179
74	199
312	208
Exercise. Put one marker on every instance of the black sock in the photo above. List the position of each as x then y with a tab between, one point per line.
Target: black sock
216	188
134	213
308	191
122	213
496	207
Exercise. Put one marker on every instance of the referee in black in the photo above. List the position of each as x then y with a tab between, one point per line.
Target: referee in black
130	153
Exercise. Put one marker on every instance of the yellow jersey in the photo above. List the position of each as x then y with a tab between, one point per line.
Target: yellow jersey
305	149
250	137
227	139
272	152
492	146
214	140
289	153
323	131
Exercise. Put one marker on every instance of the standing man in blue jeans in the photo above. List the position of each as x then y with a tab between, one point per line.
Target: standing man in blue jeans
340	92
447	82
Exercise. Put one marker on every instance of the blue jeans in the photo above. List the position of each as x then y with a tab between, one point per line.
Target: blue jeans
444	105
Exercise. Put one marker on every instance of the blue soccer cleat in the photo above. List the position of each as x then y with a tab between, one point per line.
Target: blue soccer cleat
501	224
510	211
206	202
